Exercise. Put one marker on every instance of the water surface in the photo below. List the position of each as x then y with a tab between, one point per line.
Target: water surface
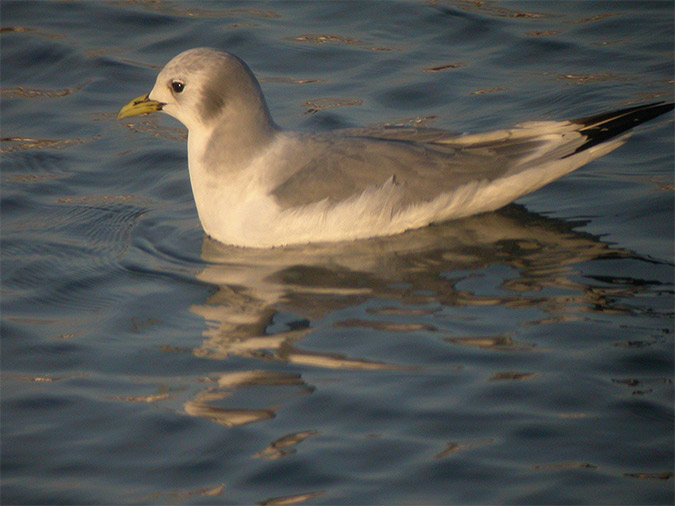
519	357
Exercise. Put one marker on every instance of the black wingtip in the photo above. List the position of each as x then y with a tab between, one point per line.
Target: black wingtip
602	127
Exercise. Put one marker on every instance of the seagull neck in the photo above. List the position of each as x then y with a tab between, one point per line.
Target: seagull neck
229	144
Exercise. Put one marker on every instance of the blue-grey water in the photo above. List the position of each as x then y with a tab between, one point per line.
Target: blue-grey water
519	357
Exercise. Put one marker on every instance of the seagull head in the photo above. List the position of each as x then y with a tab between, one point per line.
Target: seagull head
202	87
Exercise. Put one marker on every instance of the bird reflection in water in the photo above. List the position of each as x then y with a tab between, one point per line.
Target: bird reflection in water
267	301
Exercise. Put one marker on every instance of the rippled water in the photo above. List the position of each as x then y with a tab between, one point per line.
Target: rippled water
523	356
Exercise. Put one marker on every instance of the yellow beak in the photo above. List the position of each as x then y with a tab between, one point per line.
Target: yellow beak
138	106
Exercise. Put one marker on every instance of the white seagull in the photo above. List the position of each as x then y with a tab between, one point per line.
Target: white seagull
257	185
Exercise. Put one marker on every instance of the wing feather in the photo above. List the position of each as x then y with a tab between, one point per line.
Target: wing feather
426	163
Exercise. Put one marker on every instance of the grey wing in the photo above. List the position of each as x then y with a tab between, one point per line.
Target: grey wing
338	167
426	163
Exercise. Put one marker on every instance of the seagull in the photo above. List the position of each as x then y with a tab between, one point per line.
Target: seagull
257	185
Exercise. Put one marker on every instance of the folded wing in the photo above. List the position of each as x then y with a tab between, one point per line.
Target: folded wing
426	163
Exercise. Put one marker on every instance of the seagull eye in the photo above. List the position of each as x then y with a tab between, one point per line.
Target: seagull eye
177	86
